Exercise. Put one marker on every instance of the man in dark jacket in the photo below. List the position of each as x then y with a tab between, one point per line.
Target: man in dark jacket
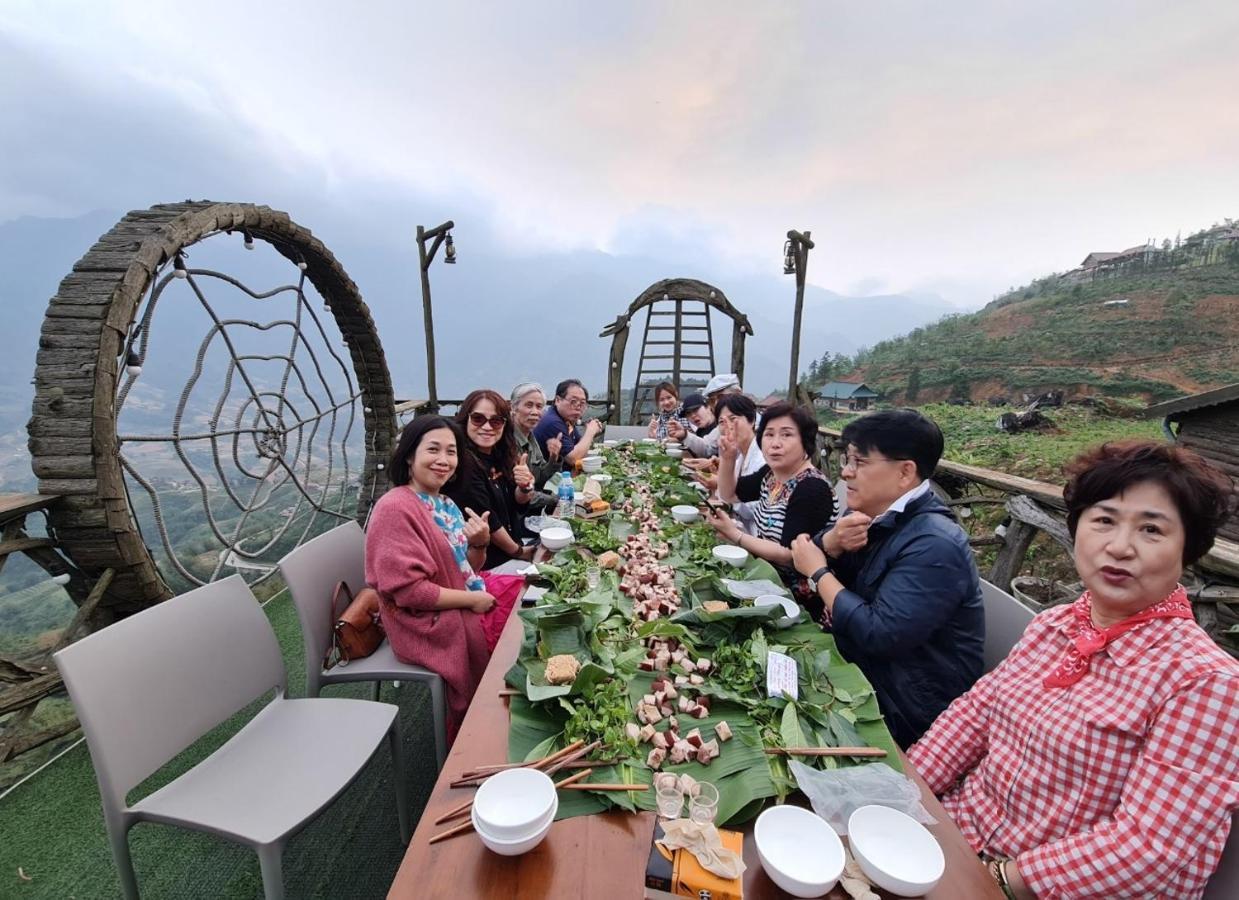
897	577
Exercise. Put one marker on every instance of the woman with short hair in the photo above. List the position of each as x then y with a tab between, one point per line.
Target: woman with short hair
792	497
666	410
528	402
737	418
1101	757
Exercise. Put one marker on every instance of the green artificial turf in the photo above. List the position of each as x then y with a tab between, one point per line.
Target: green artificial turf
51	827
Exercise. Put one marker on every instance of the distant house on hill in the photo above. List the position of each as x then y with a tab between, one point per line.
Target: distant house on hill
768	401
1103	260
1207	423
844	395
1093	260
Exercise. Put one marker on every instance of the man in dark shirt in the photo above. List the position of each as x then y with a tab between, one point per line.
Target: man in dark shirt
896	574
563	418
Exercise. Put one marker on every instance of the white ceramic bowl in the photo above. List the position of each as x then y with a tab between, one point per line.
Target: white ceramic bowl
514	804
729	553
555	538
790	608
673	445
514	847
610	445
895	851
685	514
798	850
674	452
591	464
649	440
602	478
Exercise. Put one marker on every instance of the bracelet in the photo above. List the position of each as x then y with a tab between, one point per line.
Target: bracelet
998	869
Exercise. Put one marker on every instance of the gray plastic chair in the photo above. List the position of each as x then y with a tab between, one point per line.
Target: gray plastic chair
149	686
1005	621
312	572
1224	885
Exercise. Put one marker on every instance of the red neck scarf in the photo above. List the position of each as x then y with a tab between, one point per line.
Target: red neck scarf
1087	639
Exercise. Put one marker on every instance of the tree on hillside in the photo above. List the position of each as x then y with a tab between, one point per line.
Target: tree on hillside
914	384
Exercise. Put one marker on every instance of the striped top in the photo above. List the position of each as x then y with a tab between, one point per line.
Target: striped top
804	504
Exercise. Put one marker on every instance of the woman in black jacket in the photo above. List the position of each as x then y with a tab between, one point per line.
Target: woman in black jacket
493	478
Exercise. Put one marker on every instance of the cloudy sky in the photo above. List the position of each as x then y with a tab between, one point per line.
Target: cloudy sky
957	148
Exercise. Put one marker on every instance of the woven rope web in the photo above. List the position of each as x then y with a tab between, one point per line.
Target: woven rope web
262	430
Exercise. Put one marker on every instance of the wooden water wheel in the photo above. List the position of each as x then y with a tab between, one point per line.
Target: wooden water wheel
98	333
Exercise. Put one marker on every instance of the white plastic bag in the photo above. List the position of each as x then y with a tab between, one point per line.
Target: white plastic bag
837	793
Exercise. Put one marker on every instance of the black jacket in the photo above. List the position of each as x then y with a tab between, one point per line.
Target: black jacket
911	616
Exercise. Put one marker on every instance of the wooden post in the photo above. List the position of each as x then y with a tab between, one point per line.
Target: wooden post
425	258
1010	558
801	245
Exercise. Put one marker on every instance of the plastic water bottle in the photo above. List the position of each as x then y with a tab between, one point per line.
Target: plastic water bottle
567	497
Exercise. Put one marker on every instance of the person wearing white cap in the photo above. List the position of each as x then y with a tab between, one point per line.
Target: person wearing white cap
720	384
705	446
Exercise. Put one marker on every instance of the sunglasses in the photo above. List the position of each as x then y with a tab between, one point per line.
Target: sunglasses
477	420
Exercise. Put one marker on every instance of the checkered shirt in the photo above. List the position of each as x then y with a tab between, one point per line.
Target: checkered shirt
1120	785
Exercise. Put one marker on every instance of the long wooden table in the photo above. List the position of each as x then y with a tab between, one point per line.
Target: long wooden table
599	856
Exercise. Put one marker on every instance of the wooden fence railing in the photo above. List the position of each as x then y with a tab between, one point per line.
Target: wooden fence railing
1036	506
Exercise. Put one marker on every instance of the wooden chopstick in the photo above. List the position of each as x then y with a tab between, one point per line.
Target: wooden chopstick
464	826
868	752
568	782
570	753
486	771
571	757
476	780
586	786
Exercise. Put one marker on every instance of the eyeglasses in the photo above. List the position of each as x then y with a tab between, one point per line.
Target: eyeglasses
575	402
477	420
859	462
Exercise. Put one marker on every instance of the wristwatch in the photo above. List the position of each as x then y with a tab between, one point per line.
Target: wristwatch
816	576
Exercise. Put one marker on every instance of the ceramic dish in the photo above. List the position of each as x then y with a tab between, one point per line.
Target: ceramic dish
798	850
555	538
895	851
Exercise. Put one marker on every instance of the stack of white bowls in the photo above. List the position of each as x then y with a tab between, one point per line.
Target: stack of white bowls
514	810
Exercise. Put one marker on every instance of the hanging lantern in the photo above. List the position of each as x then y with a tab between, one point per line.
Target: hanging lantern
449	250
789	258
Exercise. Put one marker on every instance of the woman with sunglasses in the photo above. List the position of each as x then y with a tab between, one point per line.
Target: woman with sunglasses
494	479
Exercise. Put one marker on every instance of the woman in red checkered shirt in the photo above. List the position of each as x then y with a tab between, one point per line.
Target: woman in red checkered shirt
1101	757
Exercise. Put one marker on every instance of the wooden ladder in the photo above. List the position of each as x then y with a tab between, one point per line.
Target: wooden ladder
684	366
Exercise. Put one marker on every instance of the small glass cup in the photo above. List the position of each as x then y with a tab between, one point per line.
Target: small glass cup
670	800
703	806
592	576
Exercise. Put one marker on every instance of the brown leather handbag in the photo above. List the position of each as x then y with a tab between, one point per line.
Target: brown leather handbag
356	632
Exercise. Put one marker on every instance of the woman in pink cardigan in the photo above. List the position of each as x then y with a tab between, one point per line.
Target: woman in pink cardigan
420	557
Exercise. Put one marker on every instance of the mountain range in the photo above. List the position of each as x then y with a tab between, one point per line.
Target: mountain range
499	317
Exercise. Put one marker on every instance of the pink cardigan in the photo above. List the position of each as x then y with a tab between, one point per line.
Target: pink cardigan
407	560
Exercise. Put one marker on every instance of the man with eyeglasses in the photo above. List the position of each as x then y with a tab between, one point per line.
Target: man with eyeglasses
562	419
896	574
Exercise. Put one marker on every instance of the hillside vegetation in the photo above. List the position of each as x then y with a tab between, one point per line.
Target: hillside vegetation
1176	333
